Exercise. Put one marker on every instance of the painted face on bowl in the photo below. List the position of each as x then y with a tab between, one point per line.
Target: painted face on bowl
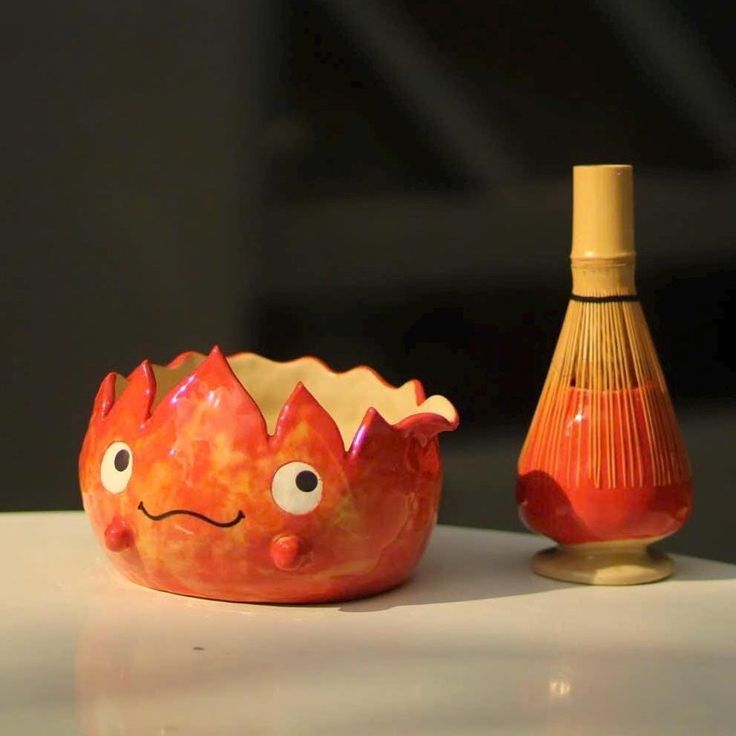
245	479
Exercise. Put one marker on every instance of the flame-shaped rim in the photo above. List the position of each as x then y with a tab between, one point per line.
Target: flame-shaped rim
354	400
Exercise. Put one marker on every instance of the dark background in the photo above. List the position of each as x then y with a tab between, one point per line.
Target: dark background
372	182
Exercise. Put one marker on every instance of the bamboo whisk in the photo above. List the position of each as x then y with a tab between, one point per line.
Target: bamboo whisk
603	461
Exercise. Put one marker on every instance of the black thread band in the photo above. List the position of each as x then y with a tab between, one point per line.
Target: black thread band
605	299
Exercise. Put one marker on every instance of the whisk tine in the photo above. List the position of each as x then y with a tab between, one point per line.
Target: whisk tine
605	353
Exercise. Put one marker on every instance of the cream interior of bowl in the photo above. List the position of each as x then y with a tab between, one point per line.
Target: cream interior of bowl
346	396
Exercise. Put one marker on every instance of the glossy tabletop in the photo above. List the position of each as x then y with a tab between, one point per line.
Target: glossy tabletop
473	644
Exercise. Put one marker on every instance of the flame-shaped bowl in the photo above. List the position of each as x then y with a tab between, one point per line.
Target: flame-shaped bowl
245	479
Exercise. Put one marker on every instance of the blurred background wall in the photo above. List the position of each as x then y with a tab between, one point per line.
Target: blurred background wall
383	182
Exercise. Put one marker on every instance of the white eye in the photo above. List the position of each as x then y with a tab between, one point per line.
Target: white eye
116	467
297	488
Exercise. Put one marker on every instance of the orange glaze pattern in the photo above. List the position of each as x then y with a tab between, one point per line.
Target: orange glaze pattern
192	495
631	492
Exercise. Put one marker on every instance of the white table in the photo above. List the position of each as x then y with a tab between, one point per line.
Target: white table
474	644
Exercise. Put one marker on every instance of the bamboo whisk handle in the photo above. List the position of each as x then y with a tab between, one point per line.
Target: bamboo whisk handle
603	256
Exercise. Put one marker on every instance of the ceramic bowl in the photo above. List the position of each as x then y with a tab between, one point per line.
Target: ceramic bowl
246	479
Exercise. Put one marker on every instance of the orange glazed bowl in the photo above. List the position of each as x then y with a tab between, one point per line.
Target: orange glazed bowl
245	479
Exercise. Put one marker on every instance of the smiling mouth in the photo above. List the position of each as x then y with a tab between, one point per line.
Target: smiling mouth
185	512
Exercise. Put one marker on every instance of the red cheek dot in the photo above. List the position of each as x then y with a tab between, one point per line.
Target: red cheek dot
118	535
288	551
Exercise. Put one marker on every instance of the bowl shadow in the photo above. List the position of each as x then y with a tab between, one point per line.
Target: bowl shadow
466	565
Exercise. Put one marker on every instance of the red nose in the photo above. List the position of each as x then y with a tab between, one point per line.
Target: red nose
288	551
118	535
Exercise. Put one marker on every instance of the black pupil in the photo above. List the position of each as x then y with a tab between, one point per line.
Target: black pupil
306	481
122	458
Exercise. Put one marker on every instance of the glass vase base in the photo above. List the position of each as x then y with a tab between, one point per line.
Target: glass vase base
626	562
